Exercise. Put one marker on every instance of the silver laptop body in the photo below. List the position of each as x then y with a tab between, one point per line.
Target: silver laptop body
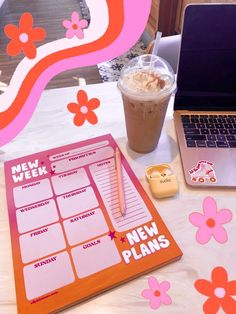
205	102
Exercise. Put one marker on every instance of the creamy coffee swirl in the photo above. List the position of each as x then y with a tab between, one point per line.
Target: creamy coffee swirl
146	81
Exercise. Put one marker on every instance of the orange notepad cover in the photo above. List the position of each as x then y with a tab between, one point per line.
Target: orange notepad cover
69	238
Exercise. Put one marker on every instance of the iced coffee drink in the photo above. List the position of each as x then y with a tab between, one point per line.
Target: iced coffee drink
146	83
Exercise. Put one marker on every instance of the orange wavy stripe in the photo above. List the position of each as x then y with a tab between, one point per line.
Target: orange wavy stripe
116	20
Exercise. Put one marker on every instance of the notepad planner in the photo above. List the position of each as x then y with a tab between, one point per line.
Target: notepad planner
69	239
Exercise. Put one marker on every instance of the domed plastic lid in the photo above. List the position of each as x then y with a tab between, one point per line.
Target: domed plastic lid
147	75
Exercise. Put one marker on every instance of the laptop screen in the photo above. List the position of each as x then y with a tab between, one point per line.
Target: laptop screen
206	78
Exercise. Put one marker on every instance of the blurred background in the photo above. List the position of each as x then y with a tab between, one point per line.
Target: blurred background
166	16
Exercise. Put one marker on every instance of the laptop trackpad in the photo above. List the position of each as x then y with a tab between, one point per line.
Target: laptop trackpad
223	166
233	155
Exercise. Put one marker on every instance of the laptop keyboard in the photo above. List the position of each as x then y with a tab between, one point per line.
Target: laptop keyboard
210	130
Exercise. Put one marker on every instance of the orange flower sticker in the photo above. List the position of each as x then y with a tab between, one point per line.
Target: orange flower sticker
24	36
219	292
83	110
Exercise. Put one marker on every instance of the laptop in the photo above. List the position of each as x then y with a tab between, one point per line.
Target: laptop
205	101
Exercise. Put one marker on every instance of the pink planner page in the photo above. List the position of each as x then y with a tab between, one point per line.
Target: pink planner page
66	225
57	197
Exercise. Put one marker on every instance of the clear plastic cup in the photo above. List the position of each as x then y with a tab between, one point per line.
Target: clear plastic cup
146	84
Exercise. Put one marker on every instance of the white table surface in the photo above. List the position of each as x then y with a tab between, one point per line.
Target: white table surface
51	126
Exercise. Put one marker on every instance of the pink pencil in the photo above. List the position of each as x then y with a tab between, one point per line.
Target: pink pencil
120	181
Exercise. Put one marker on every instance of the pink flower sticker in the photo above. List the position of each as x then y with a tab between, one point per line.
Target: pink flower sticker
210	222
75	26
157	293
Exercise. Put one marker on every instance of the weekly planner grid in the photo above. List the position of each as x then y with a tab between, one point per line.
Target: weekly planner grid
69	238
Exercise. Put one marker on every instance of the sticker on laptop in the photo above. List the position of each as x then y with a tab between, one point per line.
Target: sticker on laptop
203	172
